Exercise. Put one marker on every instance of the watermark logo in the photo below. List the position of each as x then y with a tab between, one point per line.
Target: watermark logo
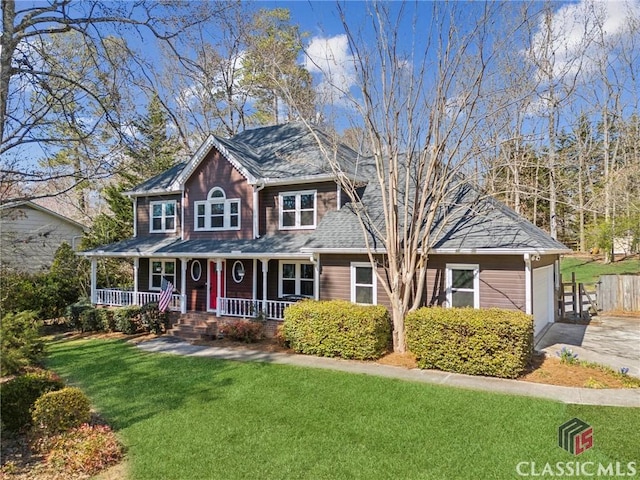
575	436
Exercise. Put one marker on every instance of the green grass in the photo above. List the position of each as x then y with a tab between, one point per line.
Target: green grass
198	418
588	269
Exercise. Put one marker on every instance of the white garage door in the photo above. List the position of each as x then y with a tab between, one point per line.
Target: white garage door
542	298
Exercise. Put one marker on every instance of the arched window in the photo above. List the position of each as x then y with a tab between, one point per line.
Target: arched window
217	212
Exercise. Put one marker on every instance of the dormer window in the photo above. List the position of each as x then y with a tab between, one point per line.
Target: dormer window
163	216
297	210
217	212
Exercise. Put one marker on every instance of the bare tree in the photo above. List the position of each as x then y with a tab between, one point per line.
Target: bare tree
418	109
36	86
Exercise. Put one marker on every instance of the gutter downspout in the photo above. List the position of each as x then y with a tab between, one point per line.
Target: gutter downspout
256	205
528	284
135	216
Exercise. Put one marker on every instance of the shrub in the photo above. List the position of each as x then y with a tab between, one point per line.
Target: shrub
492	342
337	329
152	319
19	394
83	450
59	411
242	330
75	310
20	343
127	319
93	320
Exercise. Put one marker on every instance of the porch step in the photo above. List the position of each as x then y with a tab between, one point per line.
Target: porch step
195	326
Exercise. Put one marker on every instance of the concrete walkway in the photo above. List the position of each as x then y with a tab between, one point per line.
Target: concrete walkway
584	396
607	340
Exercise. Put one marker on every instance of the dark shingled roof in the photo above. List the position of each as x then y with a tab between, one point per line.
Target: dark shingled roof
285	244
160	182
470	221
473	221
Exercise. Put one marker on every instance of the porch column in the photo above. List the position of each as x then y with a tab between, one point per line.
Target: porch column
136	270
94	280
265	271
316	273
528	294
218	285
183	284
254	286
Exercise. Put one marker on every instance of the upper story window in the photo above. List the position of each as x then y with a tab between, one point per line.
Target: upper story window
217	212
463	285
298	210
163	216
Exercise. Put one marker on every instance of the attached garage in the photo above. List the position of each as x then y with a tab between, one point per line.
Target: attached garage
542	298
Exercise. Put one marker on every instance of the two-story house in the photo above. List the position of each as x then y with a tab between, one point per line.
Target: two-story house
255	221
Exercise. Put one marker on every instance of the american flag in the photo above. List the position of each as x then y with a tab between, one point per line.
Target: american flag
166	288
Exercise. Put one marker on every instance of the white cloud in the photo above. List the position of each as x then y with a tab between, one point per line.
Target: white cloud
329	59
581	35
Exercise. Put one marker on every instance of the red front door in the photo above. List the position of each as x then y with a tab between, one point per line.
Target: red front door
213	285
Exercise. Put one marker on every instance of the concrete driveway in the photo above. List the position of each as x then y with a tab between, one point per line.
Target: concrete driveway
608	340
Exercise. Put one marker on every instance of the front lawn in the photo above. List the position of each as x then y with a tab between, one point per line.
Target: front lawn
588	269
198	418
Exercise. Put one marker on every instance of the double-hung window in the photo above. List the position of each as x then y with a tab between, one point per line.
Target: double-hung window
163	216
463	285
159	269
297	210
217	212
363	284
296	278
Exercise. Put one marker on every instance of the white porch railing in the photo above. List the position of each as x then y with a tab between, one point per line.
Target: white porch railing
252	308
120	298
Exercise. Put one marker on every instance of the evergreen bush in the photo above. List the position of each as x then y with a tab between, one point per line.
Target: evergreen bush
337	328
493	342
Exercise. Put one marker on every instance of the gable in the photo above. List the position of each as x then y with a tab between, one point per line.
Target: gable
214	171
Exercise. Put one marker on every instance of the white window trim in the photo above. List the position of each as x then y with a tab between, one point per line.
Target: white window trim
297	278
164	216
353	284
193	264
297	225
163	261
476	281
227	202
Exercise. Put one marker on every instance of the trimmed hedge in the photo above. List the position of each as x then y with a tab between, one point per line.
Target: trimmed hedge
62	410
128	319
337	328
18	395
492	342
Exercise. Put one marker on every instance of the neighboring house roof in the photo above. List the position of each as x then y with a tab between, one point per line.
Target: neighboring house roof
35	206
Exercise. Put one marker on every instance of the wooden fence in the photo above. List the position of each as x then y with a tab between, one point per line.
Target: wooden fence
577	300
619	292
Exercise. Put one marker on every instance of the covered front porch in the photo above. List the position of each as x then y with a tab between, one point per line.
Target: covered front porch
256	278
226	307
